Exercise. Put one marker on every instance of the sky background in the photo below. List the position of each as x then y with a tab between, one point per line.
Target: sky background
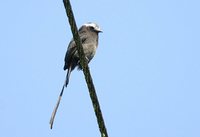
146	70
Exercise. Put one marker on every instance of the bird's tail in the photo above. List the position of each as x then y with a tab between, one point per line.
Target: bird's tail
67	76
59	99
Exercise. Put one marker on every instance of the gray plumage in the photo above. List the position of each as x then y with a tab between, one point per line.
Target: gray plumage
89	37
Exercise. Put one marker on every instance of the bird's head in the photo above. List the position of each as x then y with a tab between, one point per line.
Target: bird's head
93	27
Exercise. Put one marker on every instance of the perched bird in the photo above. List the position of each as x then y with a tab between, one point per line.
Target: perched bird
89	37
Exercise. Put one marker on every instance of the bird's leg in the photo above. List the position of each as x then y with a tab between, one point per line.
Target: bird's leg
87	59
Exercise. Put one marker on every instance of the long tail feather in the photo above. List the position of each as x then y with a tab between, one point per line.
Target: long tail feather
67	77
59	98
56	108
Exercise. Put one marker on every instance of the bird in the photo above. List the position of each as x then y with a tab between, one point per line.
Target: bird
89	38
89	35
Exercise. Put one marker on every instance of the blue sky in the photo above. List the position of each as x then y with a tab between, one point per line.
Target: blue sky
146	70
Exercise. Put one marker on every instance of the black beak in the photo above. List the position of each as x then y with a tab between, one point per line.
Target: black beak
100	31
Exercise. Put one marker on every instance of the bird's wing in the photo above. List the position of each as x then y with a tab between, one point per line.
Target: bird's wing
71	51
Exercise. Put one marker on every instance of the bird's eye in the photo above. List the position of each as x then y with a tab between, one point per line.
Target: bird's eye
92	27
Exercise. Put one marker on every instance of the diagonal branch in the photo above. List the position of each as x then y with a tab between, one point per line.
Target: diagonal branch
86	70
